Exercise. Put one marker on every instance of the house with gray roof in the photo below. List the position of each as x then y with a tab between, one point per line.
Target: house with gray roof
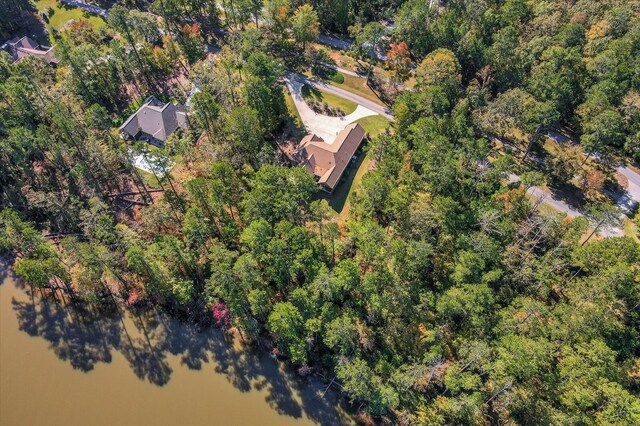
154	122
25	46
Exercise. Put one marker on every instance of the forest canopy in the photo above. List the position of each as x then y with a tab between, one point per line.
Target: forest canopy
446	293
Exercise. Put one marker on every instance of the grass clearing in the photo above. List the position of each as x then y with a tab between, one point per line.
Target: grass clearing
355	85
295	127
343	60
312	95
325	73
358	86
337	77
62	14
630	228
374	124
546	209
149	179
291	106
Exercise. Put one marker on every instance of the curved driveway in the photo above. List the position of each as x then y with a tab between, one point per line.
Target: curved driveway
322	125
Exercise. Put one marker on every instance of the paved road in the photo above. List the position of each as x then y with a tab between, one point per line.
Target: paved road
631	198
546	197
634	182
342	70
626	200
345	94
539	193
91	8
335	42
343	44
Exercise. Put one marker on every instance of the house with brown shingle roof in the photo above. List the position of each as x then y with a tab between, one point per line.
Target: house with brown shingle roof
328	161
21	47
154	122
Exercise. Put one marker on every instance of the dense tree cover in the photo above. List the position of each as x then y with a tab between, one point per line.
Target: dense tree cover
15	14
336	16
446	296
579	58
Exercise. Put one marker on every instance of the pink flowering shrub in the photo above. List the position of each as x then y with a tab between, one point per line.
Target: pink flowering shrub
135	296
221	314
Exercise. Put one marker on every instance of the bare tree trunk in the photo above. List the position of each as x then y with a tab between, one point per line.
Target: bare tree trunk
595	229
532	140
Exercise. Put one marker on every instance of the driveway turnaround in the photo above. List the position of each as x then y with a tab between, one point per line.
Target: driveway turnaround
322	125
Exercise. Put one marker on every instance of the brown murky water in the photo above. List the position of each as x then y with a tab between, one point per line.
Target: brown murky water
61	368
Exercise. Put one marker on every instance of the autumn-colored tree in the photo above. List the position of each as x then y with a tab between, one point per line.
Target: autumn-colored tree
305	25
81	31
192	42
592	183
399	60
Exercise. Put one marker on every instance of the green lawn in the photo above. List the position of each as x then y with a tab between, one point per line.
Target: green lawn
358	86
294	122
311	95
326	73
339	200
63	13
631	229
291	106
355	85
337	77
374	124
343	60
149	179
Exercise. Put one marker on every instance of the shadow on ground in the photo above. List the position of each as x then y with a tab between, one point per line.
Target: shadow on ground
570	194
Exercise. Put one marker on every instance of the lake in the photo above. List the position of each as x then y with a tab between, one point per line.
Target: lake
61	367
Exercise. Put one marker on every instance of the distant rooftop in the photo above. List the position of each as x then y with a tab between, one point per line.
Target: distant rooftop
154	121
25	46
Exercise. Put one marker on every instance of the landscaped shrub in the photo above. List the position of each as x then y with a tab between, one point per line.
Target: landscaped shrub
336	77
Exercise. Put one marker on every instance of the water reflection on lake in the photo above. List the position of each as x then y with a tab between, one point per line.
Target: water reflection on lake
58	366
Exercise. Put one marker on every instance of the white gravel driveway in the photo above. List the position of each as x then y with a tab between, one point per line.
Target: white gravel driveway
322	125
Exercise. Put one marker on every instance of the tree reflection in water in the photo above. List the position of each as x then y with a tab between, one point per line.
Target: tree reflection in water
85	338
